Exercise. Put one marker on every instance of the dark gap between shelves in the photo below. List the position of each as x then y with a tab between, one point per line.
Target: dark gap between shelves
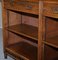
55	19
29	39
24	13
56	49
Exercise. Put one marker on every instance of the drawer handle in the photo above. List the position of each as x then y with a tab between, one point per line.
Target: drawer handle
11	1
35	3
55	10
21	3
28	7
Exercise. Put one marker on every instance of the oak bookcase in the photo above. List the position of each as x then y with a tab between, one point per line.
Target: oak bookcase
30	29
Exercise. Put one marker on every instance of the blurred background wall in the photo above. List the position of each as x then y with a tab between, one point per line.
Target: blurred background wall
0	15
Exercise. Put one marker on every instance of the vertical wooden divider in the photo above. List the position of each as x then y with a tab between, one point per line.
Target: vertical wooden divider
40	31
5	32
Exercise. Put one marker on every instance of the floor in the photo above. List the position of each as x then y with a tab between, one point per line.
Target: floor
1	48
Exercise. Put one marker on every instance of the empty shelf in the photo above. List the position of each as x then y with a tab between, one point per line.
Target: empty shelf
25	30
23	50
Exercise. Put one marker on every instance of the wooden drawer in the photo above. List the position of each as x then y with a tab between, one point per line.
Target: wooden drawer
28	0
24	6
51	9
29	7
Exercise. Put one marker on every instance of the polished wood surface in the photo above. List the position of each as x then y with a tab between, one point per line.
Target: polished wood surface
25	30
23	6
50	53
53	41
23	50
40	32
51	27
51	9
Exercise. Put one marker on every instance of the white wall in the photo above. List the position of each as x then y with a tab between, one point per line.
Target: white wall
0	15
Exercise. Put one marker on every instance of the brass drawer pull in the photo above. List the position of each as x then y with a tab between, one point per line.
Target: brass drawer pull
55	10
21	3
11	2
28	7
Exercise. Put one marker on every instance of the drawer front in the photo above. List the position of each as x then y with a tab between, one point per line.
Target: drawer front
28	0
51	9
24	6
29	7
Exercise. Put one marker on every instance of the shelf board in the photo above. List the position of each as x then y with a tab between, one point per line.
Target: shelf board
52	16
25	30
52	42
23	50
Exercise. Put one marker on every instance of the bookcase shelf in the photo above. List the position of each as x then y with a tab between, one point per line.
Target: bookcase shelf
23	50
25	30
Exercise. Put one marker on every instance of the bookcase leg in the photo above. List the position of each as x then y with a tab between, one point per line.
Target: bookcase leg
5	55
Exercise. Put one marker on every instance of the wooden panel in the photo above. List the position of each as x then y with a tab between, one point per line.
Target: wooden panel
30	20
14	18
23	6
28	7
51	53
4	24
13	38
51	9
53	41
51	27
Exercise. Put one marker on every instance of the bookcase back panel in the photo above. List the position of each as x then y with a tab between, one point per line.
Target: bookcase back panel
50	53
14	18
51	27
30	20
13	38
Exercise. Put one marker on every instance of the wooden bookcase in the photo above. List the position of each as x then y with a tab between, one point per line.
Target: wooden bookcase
51	30
20	29
30	29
